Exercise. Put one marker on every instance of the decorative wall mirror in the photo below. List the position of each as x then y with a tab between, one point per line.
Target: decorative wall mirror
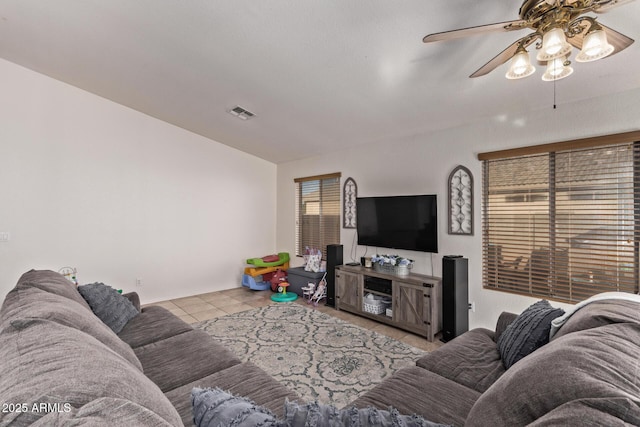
461	201
349	195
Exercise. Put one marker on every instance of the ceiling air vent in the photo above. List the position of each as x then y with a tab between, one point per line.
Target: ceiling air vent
241	113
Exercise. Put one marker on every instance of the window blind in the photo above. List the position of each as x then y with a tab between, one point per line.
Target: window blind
317	212
562	224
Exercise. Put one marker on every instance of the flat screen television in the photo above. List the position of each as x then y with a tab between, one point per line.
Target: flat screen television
398	222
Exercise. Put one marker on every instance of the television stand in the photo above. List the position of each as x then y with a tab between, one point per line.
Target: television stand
416	299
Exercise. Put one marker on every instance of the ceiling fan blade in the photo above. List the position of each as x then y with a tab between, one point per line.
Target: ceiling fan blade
503	56
472	31
604	6
618	40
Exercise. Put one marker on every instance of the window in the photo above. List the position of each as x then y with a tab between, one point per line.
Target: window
561	221
317	212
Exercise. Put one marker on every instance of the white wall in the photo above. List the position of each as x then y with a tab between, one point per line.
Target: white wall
421	164
89	183
119	195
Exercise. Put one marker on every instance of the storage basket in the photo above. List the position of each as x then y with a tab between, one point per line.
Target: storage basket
377	306
299	278
400	270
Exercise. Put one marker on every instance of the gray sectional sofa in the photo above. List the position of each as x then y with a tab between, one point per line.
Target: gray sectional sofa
587	375
61	365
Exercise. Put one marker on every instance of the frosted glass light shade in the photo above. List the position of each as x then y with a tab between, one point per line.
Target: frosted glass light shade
520	66
594	46
556	70
554	45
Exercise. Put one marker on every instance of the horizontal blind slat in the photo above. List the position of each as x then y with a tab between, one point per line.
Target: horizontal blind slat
563	225
317	212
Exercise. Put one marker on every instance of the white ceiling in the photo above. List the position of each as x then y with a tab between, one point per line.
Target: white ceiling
319	75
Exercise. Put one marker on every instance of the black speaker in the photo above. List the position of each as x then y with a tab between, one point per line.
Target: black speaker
455	296
334	259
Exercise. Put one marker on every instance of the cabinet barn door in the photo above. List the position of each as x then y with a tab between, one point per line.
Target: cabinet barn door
348	290
411	307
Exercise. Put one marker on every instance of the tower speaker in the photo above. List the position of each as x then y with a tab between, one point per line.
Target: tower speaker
455	296
334	259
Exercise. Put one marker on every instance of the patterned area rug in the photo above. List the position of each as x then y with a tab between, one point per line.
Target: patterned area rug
319	356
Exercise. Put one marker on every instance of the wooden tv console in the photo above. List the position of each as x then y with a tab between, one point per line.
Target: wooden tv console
416	298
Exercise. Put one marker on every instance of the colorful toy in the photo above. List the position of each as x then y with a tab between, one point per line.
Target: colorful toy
312	259
283	296
277	278
70	273
307	291
259	276
316	294
320	293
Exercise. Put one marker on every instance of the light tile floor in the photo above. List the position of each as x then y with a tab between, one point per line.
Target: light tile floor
215	304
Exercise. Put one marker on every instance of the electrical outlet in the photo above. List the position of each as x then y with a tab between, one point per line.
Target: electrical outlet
5	236
138	282
472	306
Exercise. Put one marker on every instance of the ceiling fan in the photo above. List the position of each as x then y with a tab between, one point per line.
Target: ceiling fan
558	26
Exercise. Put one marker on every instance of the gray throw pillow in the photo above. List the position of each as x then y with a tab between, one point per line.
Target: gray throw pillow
528	332
213	407
315	414
110	307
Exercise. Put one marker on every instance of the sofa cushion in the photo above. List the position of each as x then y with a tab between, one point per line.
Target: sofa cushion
528	332
183	358
213	407
592	412
52	282
110	307
414	390
134	298
245	379
43	362
29	303
601	313
153	324
471	359
598	363
504	320
105	411
557	323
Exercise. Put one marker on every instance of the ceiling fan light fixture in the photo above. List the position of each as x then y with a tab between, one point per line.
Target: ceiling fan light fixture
520	65
595	45
557	27
557	69
554	45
